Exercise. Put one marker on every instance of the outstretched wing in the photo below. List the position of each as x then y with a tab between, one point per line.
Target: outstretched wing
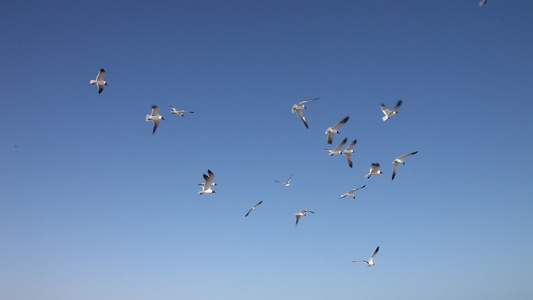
101	75
408	154
155	110
302	117
373	255
338	148
397	105
394	170
350	160
342	122
305	101
384	109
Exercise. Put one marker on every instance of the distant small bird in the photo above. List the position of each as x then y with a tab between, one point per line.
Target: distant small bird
301	214
155	117
179	111
253	207
370	261
374	170
206	187
389	113
298	109
482	2
399	160
100	82
334	129
337	149
285	183
351	193
348	152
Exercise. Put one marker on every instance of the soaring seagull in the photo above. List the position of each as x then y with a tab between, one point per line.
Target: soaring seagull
370	261
155	117
285	183
179	111
348	152
100	82
302	213
334	129
253	207
482	2
337	149
389	113
399	160
374	170
298	109
206	187
351	193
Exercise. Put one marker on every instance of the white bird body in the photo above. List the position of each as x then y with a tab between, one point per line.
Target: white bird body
285	183
100	82
374	170
302	214
180	111
351	193
206	187
335	129
337	150
298	109
155	117
370	261
400	160
389	113
348	152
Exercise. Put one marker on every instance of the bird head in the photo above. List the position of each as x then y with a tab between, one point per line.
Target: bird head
105	82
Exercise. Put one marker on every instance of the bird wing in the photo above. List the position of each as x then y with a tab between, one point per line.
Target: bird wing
305	101
350	160
250	210
101	75
338	148
259	203
289	180
373	255
100	88
374	168
330	137
384	109
155	110
359	188
301	115
360	261
350	147
174	110
208	180
342	122
298	216
394	170
408	154
156	124
279	181
397	105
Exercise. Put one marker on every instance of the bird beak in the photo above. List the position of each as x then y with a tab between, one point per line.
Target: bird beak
163	118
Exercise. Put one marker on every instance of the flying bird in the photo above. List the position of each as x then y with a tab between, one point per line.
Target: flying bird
348	152
351	193
370	261
180	111
253	207
482	2
298	109
206	187
302	213
389	113
100	82
337	149
374	170
285	183
399	160
334	129
155	117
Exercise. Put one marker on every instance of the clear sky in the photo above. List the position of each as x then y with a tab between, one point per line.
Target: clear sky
95	206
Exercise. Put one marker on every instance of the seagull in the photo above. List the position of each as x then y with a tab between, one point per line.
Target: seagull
208	183
298	109
389	113
100	82
154	117
179	111
332	130
399	160
253	207
285	183
348	152
374	170
482	2
351	193
302	213
337	149
370	261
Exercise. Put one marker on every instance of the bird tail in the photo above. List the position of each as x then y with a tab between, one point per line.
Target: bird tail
385	118
92	81
147	118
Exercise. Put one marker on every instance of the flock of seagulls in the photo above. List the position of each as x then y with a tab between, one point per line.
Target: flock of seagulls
207	186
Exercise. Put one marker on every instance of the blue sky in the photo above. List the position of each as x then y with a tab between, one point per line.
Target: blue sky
93	206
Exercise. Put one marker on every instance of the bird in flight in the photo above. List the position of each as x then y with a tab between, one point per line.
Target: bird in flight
370	261
482	2
374	170
100	82
334	129
399	160
389	113
348	152
298	109
301	214
337	149
252	208
155	117
179	111
285	183
351	193
206	187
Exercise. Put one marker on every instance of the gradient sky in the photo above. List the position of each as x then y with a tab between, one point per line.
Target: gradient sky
94	206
